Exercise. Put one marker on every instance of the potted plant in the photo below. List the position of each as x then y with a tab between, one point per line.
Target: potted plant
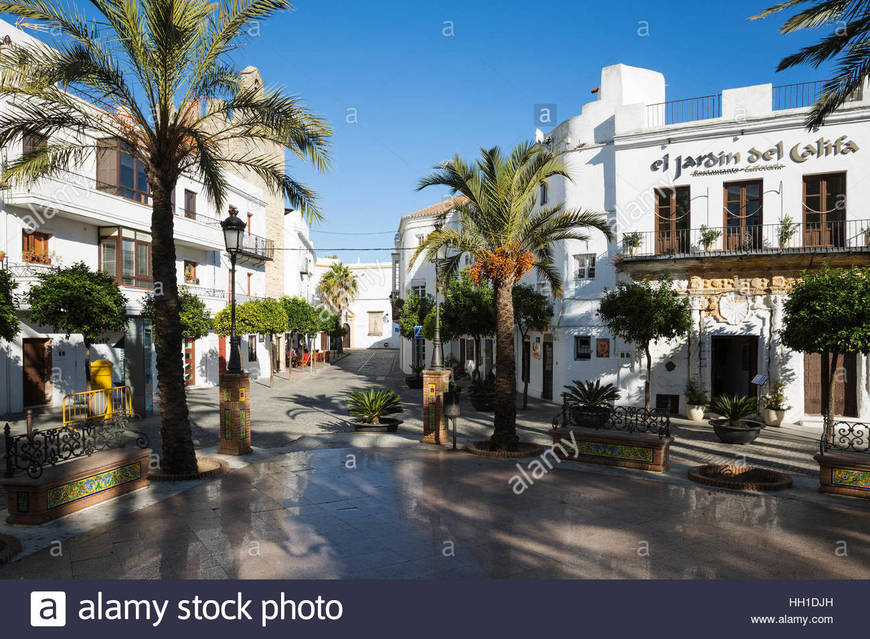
482	394
631	242
696	401
787	230
774	404
370	407
2	255
590	403
415	379
735	428
709	236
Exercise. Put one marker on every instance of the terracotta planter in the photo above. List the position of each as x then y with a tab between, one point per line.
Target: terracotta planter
391	425
772	417
729	434
695	412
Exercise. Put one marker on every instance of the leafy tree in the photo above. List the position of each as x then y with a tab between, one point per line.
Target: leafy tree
8	319
532	312
255	317
828	312
338	287
195	317
415	308
643	313
301	316
78	300
503	229
846	44
145	70
330	323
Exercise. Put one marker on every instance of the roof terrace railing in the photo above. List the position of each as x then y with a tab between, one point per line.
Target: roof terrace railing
804	94
706	107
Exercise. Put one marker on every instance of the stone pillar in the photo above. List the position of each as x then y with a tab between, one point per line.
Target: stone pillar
235	414
435	429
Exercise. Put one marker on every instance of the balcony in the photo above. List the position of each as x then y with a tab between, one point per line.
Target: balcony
663	114
803	95
256	248
657	250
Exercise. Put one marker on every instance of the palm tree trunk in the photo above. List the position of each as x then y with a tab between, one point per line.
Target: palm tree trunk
505	433
178	452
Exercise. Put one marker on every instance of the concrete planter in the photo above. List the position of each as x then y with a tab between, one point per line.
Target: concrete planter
772	417
390	424
695	412
729	434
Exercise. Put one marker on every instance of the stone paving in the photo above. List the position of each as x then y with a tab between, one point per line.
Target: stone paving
420	513
295	508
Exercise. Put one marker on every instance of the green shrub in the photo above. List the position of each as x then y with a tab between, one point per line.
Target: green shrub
734	407
369	406
695	396
589	395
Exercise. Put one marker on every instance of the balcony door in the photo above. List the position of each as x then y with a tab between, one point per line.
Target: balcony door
824	207
672	220
743	215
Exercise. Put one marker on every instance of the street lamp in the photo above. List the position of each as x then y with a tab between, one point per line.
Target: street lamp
437	355
234	230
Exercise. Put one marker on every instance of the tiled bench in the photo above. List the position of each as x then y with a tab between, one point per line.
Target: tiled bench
74	485
615	448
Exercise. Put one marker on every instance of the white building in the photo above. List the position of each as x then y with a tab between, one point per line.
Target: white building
99	213
368	322
740	163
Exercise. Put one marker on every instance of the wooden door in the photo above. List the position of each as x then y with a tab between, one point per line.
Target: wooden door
673	220
189	362
547	365
845	385
743	215
36	371
824	198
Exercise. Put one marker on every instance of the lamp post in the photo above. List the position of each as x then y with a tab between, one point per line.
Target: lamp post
436	379
437	355
234	229
235	384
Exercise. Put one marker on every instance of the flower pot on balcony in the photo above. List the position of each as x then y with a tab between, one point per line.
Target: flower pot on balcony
772	417
695	412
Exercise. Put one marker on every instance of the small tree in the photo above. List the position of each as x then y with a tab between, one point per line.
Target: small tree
301	316
8	319
643	313
195	317
414	311
469	309
264	317
532	312
828	312
78	300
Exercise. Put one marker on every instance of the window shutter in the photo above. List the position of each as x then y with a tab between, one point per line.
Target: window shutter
107	165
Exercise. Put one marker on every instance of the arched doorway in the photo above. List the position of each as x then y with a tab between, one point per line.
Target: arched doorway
345	339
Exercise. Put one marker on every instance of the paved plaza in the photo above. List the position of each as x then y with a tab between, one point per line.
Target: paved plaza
317	500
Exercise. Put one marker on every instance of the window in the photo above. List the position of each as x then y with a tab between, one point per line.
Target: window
545	196
190	272
825	210
376	323
252	348
125	254
250	217
420	239
33	143
34	247
582	347
189	204
419	290
673	220
584	266
743	215
120	173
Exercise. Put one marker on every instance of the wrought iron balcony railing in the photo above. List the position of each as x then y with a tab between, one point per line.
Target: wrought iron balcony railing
822	237
803	95
662	114
258	247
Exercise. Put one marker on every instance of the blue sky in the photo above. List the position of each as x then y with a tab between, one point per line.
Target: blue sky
421	97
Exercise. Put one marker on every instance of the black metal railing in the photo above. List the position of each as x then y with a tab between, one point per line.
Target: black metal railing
258	247
32	452
804	94
766	238
845	437
619	418
706	107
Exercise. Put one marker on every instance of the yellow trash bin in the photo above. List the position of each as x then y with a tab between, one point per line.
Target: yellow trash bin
101	380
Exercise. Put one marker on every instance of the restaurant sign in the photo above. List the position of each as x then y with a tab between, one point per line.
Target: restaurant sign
756	160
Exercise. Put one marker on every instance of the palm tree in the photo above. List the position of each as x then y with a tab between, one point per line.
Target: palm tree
155	76
847	44
507	235
338	287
